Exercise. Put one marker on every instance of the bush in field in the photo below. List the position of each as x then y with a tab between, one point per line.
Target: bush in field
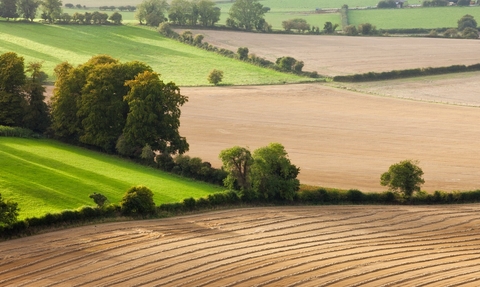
286	63
8	211
467	21
138	201
450	33
386	4
329	28
367	29
404	177
470	33
351	30
242	53
298	24
215	77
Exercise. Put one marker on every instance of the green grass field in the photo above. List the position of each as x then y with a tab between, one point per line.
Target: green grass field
435	17
183	64
47	176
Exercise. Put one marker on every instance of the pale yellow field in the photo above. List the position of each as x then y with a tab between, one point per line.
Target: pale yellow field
276	246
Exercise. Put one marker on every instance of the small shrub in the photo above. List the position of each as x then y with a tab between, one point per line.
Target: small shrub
189	203
470	33
242	53
215	77
138	201
99	199
351	30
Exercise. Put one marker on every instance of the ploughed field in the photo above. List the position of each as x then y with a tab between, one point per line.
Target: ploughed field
274	246
337	137
343	55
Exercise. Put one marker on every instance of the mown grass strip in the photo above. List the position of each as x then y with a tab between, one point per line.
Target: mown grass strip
47	176
177	62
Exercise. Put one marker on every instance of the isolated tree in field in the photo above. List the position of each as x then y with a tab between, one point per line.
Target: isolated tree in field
99	199
8	211
404	177
273	175
36	112
152	12
138	201
12	79
8	9
28	9
154	114
52	10
116	18
70	6
215	77
466	21
207	12
247	14
237	162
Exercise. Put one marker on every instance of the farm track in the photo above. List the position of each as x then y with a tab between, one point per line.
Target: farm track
278	246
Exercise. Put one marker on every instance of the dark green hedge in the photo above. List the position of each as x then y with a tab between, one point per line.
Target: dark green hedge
398	74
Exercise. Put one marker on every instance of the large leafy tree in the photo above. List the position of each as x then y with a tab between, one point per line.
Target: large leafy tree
467	21
28	9
8	9
154	114
273	175
208	13
152	12
37	112
52	10
247	14
12	79
180	11
404	177
8	211
237	162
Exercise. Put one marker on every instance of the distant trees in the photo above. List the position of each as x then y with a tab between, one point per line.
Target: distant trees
116	18
467	21
117	107
28	9
404	177
52	10
434	3
383	4
289	64
207	12
248	15
152	12
367	29
298	24
329	28
184	12
8	9
268	174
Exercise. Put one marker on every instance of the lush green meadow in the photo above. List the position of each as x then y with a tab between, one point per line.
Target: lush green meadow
183	64
432	17
47	176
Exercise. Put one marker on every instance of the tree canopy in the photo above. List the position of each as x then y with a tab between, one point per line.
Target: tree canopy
152	12
268	174
467	21
404	177
247	14
52	10
28	9
117	107
8	211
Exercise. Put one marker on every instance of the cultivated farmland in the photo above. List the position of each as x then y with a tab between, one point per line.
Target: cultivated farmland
276	246
338	55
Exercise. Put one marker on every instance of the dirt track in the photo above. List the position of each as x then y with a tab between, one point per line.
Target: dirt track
284	246
340	55
338	138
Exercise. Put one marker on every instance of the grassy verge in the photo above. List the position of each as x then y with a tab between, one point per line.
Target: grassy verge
46	176
177	62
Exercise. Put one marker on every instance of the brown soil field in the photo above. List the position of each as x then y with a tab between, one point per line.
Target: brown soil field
342	55
276	246
338	138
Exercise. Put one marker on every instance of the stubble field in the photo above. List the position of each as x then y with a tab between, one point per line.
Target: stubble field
277	246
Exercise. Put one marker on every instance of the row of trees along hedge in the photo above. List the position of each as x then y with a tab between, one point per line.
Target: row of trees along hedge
398	74
283	64
21	94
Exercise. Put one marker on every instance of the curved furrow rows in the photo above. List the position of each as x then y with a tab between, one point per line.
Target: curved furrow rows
467	282
436	276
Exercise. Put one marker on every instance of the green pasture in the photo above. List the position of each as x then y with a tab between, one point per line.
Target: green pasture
183	64
431	17
47	176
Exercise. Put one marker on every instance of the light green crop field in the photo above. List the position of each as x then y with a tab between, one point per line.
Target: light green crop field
48	176
432	17
183	64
